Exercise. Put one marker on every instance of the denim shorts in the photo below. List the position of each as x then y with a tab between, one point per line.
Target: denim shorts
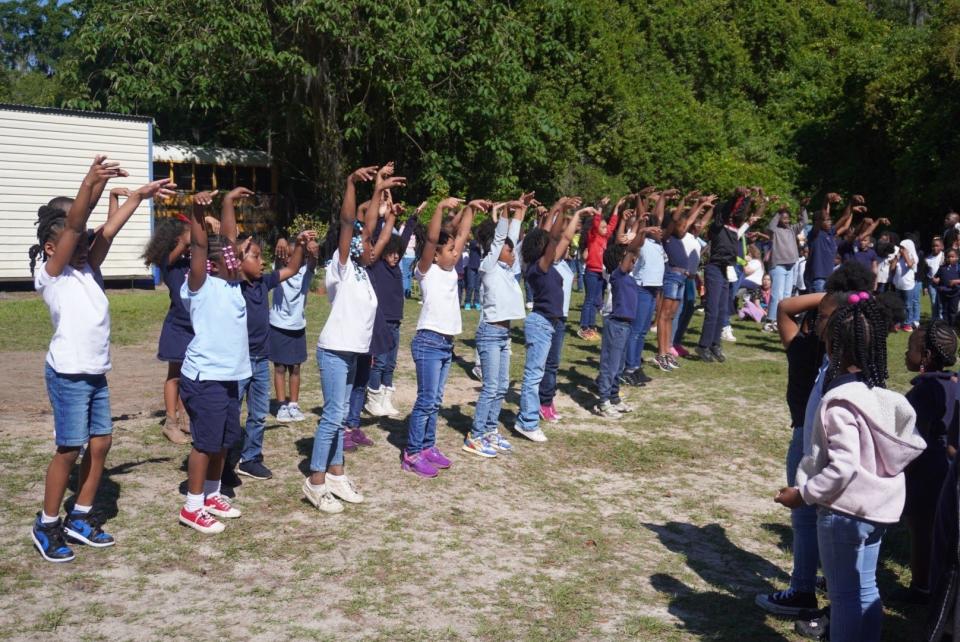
214	409
673	285
81	406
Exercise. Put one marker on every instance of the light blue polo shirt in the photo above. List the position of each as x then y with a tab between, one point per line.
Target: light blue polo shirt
650	265
219	349
287	311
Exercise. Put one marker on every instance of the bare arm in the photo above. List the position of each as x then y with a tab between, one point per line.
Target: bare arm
198	241
790	308
75	227
115	221
348	210
433	233
228	212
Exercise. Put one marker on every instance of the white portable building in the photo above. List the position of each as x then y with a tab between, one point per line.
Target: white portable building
45	152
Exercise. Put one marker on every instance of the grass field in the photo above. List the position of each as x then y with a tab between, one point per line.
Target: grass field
660	526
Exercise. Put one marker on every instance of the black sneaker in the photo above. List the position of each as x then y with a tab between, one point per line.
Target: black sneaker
718	354
85	528
788	602
705	354
254	469
817	628
641	376
229	478
631	379
48	538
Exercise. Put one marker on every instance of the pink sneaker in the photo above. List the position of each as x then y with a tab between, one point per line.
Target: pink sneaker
437	458
553	410
418	464
547	414
349	445
360	438
673	352
681	351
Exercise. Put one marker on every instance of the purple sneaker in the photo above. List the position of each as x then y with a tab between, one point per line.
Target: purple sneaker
348	444
418	464
360	438
437	458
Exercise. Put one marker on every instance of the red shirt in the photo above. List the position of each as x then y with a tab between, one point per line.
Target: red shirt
597	243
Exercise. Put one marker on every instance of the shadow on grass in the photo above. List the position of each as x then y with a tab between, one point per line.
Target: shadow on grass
727	610
108	493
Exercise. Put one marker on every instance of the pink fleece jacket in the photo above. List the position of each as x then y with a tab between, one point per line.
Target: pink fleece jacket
863	439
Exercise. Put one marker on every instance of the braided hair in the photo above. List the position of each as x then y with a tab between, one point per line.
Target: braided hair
857	333
940	341
50	222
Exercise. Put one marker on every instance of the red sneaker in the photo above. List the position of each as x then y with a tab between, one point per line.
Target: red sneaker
201	520
681	351
219	506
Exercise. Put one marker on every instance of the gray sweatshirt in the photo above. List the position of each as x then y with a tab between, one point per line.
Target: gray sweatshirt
783	240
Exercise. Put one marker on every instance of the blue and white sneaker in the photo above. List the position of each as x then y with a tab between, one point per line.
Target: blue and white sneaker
498	441
85	528
479	447
48	538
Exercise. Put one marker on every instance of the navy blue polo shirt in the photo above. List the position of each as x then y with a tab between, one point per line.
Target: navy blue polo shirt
257	295
823	251
547	289
624	295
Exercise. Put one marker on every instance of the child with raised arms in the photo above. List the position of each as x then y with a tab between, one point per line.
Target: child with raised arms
216	361
288	328
79	355
344	338
247	455
169	250
541	251
502	303
439	323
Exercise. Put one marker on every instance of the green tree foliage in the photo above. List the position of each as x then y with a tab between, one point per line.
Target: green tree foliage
586	96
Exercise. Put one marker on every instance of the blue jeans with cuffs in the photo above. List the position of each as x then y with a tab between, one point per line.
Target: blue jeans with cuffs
432	355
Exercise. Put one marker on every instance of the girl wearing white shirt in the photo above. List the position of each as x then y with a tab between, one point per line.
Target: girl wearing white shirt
79	356
345	336
439	323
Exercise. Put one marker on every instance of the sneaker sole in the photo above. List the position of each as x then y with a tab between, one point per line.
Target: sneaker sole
484	455
284	420
43	554
212	530
241	471
223	514
529	435
776	609
349	500
77	537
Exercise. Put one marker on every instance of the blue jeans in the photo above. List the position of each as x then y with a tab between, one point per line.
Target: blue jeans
432	355
715	305
405	266
575	268
472	277
936	313
592	300
613	353
849	548
257	391
681	320
646	305
358	393
915	302
806	552
493	346
818	285
385	363
81	406
731	300
548	385
336	377
912	307
782	278
538	333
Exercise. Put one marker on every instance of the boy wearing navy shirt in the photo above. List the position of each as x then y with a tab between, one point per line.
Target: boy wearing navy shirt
619	261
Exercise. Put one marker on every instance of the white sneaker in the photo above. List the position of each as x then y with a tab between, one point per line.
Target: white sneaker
727	334
294	411
530	305
608	410
321	498
283	414
623	408
343	487
388	407
374	405
533	435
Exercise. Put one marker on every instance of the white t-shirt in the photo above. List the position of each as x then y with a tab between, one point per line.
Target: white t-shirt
692	247
441	300
353	305
755	277
566	273
80	314
933	261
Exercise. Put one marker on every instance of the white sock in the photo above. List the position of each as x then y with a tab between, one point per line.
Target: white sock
83	510
194	502
317	487
46	519
293	404
211	487
336	476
